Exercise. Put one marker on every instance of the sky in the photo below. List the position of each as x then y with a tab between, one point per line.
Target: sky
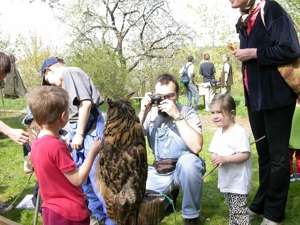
25	18
189	12
20	17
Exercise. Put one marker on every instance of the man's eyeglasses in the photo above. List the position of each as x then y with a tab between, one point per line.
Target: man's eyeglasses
167	96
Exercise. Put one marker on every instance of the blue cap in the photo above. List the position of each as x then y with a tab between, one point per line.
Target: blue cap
46	64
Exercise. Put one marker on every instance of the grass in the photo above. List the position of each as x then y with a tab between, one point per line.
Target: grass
214	210
12	177
12	104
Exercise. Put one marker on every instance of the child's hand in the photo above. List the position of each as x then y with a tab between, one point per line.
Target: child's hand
218	160
77	141
96	147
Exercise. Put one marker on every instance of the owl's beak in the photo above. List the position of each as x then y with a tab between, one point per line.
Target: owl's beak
109	101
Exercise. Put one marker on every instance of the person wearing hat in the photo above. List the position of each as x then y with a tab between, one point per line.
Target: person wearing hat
17	135
85	121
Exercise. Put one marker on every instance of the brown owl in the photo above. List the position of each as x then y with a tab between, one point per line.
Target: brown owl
122	169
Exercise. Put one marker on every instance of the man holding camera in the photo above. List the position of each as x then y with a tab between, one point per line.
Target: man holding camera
175	136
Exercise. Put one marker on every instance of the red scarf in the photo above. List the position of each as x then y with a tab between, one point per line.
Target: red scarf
252	16
250	24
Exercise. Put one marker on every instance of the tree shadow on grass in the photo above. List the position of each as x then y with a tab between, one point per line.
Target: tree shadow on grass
13	121
23	216
213	209
3	188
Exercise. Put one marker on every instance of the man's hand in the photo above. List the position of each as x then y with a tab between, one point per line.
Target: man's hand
245	54
145	107
77	141
146	102
169	107
18	135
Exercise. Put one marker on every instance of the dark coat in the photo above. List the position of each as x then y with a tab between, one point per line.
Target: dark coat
14	86
207	70
277	44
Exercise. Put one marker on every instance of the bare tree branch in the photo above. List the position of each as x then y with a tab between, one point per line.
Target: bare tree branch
135	29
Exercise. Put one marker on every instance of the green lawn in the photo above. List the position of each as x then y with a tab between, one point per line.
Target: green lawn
214	211
12	104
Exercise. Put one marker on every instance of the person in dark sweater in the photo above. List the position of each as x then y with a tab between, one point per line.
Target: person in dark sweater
207	71
268	39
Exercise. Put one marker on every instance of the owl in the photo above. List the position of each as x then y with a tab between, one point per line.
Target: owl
122	165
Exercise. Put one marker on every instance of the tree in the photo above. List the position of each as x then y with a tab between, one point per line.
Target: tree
3	44
30	63
134	29
103	66
215	22
293	7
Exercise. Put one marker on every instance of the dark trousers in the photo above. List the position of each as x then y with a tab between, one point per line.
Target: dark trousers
273	160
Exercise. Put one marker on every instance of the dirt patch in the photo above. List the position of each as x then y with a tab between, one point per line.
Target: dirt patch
4	113
209	125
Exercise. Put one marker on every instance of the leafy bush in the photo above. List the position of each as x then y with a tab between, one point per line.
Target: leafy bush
103	66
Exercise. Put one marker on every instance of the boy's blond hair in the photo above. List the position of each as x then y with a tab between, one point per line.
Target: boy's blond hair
47	103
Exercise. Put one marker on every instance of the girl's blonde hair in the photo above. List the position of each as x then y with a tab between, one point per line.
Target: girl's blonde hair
226	101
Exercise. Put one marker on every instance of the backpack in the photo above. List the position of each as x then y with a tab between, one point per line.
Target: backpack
184	78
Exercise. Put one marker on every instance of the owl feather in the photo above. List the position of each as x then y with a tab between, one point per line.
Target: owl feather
122	167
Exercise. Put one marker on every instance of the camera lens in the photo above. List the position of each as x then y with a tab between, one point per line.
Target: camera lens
156	99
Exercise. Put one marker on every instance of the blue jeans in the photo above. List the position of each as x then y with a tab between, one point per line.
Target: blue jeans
187	176
95	201
192	93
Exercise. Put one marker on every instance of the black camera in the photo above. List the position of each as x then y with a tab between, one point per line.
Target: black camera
156	99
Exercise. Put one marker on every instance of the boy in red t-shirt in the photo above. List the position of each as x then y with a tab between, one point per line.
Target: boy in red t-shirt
59	179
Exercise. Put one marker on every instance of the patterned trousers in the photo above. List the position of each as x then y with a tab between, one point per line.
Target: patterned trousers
237	204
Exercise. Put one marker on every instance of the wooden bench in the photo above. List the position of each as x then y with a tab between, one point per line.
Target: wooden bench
202	91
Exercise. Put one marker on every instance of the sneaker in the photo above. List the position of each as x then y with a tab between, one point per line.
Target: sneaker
292	178
269	222
252	214
194	221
